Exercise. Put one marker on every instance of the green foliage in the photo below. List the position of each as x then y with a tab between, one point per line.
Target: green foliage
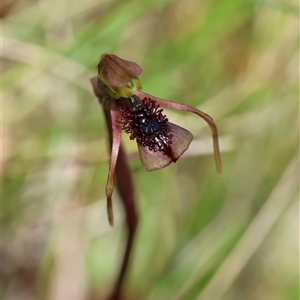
200	236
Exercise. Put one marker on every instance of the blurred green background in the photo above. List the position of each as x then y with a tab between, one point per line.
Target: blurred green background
200	236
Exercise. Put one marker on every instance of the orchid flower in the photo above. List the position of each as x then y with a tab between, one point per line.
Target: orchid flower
159	141
141	115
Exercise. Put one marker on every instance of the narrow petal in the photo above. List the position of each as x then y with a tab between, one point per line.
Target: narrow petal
178	106
116	140
156	160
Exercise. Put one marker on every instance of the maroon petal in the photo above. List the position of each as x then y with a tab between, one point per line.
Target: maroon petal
116	140
174	105
156	160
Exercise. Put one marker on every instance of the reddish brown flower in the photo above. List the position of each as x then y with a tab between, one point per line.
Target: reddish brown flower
141	115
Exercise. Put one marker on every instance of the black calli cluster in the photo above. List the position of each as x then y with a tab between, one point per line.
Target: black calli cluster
146	124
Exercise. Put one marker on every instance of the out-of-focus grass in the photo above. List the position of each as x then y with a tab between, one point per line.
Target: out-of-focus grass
200	236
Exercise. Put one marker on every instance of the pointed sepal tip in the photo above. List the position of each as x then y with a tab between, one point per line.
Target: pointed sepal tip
110	213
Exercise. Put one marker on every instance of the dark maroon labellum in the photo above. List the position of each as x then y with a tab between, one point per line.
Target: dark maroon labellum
147	125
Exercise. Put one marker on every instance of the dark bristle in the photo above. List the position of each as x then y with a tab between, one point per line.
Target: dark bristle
148	126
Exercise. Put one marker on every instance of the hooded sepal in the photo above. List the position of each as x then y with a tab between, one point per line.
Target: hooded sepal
119	76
